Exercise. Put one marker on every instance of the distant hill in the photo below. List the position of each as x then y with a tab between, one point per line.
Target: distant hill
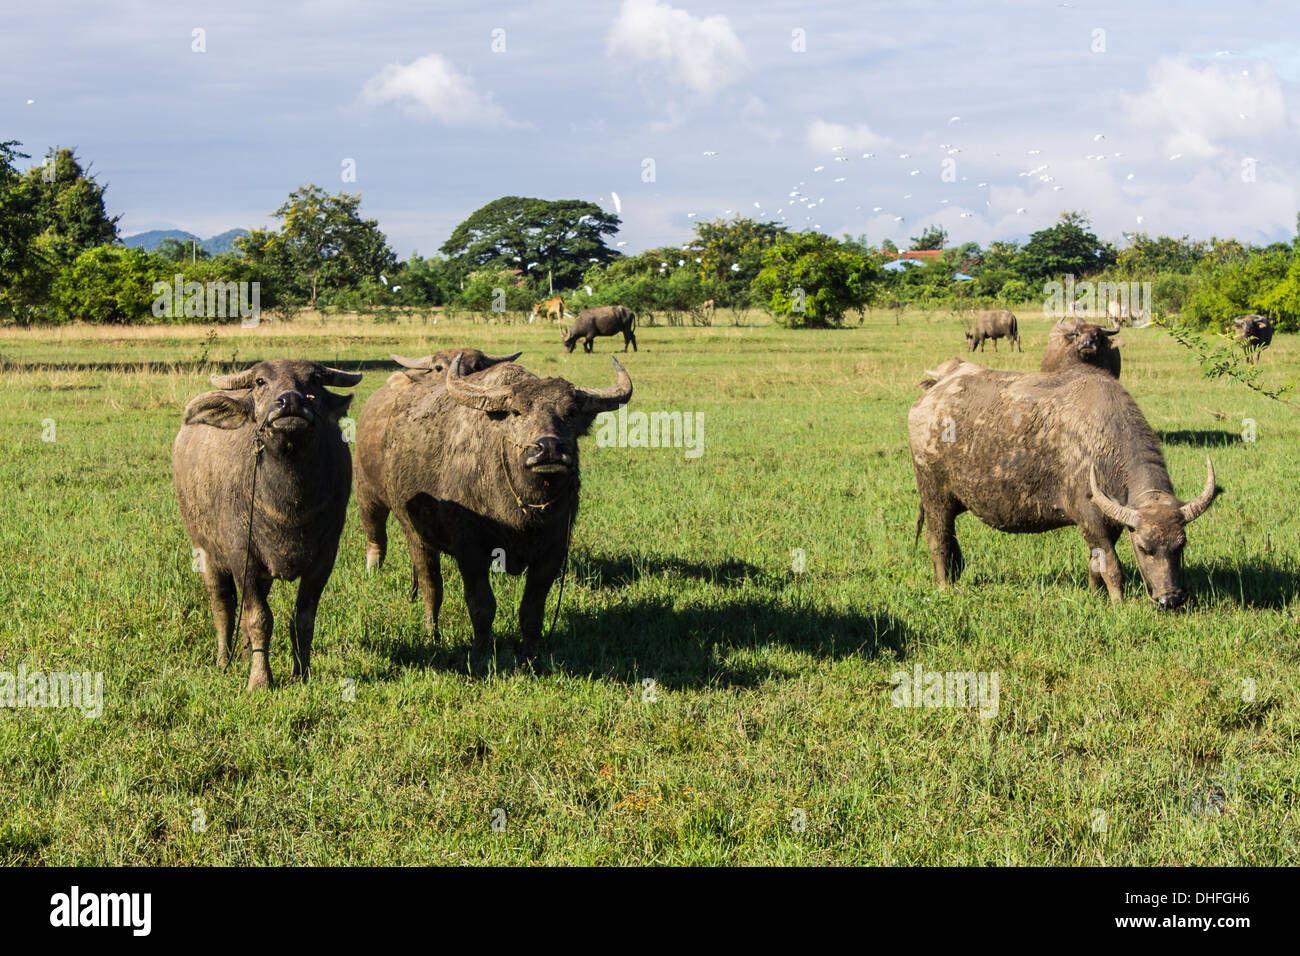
222	243
215	246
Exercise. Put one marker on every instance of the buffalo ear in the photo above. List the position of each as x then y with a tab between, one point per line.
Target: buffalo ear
220	410
336	406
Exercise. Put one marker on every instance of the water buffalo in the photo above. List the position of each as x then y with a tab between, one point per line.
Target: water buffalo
372	434
1254	332
485	469
606	320
1033	451
1078	342
994	325
265	450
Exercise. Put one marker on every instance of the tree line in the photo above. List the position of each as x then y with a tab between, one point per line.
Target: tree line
61	260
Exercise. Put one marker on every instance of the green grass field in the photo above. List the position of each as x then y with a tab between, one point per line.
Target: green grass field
1122	736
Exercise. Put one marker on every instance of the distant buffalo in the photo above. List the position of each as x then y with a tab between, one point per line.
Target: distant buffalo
265	451
994	324
484	469
1254	332
606	320
1033	451
1078	342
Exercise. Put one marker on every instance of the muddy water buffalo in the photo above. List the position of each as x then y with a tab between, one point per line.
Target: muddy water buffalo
606	320
1027	452
995	324
1254	332
266	444
372	434
485	469
1075	342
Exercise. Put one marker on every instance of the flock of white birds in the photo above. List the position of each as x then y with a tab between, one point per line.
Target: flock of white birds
804	203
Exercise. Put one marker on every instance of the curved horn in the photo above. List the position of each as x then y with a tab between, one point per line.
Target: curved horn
337	377
487	398
498	359
1196	507
1111	508
419	364
234	380
1115	329
607	399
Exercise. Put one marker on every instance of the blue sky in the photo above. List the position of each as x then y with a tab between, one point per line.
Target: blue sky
1156	117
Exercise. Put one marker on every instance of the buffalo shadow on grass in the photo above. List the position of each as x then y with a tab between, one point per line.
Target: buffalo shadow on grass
1253	583
697	645
599	572
1199	437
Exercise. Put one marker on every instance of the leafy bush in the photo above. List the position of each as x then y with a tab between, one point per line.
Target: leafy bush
110	284
809	280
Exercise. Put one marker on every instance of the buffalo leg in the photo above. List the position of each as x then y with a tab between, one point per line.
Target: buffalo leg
480	600
221	595
303	626
589	345
426	578
1103	564
532	608
257	625
374	522
629	337
941	535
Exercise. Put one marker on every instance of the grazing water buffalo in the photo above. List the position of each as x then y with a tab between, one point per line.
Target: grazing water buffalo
1078	342
1254	332
606	320
372	434
485	469
1033	451
266	449
995	324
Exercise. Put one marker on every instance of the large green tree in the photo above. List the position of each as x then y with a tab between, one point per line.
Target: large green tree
809	280
69	207
19	287
731	256
563	237
323	246
1070	246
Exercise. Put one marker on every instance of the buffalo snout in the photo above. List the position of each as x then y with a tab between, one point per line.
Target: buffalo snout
549	453
290	405
1172	601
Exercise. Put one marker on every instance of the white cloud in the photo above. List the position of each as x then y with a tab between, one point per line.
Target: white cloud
705	55
823	136
432	88
1198	110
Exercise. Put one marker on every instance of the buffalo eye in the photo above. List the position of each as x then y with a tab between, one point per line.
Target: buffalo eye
261	382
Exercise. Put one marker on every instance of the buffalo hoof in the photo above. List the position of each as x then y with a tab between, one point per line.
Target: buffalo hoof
259	678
